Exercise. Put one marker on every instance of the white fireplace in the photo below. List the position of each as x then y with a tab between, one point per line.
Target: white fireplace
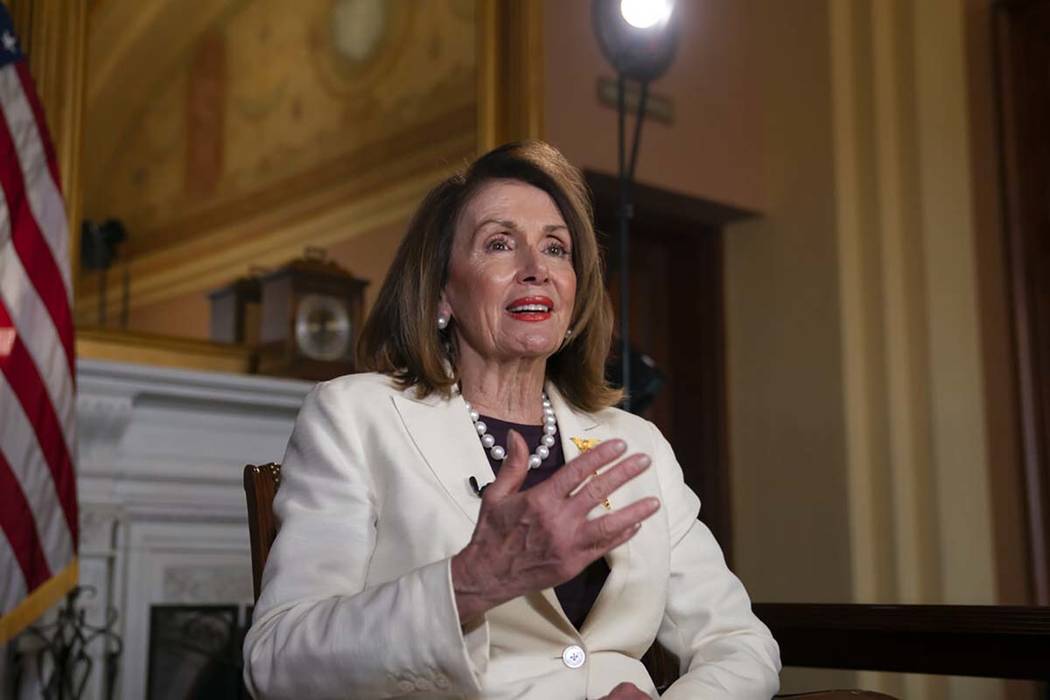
163	517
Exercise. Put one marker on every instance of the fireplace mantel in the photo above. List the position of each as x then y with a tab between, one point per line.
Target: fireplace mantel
163	520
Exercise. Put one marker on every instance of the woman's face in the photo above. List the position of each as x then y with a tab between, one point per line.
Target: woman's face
511	284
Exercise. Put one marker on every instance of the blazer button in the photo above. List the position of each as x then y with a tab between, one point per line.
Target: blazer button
573	656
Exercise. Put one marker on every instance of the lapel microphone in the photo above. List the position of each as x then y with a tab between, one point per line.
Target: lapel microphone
479	491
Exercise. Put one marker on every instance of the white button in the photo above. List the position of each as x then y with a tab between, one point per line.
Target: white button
573	656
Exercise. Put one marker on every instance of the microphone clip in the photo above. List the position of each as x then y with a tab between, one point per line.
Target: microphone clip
478	490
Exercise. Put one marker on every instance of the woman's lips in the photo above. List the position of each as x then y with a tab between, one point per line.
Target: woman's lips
531	309
531	316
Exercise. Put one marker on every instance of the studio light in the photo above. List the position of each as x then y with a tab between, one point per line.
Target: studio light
645	14
639	38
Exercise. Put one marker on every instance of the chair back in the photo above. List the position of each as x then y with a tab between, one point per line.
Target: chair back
260	486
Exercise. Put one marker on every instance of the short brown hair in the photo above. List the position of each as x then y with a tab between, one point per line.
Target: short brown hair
400	337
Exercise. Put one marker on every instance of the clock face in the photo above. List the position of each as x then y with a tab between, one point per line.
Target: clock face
322	327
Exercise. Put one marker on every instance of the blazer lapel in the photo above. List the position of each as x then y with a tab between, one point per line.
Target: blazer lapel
442	431
586	428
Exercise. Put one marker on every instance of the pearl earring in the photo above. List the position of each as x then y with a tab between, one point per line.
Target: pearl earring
568	333
442	322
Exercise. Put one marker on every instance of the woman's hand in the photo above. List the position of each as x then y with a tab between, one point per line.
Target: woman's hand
536	539
627	691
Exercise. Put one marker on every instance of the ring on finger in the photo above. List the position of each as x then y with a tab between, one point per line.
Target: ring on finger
605	501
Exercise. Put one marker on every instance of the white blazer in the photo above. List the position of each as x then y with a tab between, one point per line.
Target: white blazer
357	598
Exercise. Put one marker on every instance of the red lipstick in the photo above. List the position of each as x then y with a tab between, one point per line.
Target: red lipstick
531	308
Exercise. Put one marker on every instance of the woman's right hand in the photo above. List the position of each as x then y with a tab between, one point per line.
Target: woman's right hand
526	541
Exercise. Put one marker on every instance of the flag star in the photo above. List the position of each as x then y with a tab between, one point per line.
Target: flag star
10	42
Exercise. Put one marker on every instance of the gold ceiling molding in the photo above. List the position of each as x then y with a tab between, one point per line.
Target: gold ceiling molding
276	236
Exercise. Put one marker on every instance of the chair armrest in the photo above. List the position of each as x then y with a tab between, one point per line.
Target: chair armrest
964	640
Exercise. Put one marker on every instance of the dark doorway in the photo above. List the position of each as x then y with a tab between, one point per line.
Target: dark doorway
676	317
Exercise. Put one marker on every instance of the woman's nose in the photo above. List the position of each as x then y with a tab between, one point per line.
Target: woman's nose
533	268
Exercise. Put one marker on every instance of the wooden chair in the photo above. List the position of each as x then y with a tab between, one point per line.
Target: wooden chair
260	486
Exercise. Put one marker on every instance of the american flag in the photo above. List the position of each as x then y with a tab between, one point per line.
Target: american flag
38	501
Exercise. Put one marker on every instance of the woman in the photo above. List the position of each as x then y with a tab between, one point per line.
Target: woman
427	548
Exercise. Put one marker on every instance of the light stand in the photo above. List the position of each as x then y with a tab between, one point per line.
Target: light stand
624	213
639	40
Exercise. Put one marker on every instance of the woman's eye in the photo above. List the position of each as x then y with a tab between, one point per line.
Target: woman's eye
498	244
558	250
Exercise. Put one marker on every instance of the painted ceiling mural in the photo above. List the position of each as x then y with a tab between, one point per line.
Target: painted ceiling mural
204	112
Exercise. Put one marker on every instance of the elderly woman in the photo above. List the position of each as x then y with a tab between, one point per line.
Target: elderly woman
474	518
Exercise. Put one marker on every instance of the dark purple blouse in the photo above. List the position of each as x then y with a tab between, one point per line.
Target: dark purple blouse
577	595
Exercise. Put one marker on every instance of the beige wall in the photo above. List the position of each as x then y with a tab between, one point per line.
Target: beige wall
782	308
787	436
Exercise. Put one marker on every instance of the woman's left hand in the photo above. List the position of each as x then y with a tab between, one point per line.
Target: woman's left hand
627	691
525	541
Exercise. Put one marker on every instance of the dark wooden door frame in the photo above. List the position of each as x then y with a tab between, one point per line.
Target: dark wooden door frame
1023	104
692	228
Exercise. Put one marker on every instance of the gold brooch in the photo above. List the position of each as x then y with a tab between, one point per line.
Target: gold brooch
584	444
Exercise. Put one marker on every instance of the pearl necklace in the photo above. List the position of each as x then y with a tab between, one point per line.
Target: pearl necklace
499	453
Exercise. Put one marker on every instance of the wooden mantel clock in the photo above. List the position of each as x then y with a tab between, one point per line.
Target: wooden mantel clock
311	312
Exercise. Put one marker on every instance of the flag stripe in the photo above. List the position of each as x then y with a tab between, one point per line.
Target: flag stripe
17	521
34	478
45	199
37	330
26	79
30	240
24	379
